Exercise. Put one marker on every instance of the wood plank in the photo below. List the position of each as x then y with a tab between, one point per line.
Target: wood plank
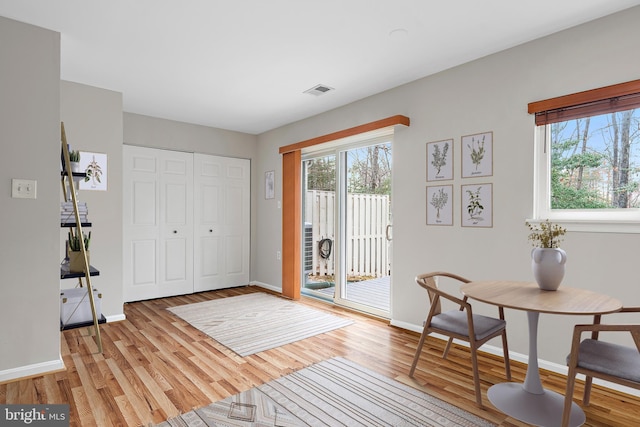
612	91
356	130
291	218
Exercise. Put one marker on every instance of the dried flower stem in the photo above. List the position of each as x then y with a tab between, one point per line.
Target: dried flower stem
546	235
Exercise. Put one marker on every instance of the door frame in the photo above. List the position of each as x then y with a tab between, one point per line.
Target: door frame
292	197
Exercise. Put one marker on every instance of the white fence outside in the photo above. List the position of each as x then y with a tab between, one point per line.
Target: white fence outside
367	246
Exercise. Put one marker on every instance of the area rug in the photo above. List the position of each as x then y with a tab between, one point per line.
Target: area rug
335	392
252	323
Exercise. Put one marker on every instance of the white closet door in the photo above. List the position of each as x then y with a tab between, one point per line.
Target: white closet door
158	223
222	222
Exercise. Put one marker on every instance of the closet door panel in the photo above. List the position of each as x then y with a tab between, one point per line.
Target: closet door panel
187	222
176	223
158	223
235	236
221	186
144	262
209	253
141	223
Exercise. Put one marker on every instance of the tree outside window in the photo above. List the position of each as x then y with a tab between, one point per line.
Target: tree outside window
595	162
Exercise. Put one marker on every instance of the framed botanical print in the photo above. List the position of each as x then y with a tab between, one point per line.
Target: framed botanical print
440	160
94	165
440	205
477	155
477	205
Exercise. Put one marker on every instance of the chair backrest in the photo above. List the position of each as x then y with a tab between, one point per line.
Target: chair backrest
600	358
429	282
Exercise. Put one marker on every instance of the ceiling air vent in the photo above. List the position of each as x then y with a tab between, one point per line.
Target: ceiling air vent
318	90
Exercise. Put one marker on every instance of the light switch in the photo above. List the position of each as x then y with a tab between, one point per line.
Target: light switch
23	188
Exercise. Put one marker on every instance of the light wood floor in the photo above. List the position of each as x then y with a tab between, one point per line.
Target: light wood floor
155	366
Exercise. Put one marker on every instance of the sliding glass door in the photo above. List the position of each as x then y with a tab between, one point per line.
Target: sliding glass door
347	220
319	225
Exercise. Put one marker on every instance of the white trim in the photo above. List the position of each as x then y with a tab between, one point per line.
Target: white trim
594	220
266	286
115	318
31	370
591	225
523	358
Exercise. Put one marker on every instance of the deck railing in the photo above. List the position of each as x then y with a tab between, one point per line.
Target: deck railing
366	224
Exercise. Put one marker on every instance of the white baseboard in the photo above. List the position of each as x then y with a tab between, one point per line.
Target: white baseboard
266	286
523	358
31	370
115	318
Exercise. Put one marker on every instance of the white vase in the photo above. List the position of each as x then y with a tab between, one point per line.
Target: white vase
548	267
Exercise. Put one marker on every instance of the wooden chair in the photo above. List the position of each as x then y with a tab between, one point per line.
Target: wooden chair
462	324
600	359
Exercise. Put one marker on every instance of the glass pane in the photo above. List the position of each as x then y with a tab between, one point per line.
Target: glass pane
368	207
595	162
319	225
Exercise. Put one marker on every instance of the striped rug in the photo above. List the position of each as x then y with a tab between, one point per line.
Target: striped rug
335	392
252	323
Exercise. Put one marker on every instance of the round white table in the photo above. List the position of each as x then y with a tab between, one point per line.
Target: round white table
530	402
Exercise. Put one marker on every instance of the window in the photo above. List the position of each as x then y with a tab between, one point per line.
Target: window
588	158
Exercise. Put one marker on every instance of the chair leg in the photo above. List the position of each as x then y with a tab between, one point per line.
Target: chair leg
418	351
476	375
568	397
587	390
446	349
505	349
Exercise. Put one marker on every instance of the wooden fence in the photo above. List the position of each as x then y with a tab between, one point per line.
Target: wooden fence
366	243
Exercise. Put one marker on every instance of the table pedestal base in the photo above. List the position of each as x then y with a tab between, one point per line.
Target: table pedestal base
537	409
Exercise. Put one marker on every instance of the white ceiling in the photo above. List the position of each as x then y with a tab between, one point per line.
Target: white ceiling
244	64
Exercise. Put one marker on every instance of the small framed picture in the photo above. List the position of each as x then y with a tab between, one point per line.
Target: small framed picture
477	155
95	167
440	160
440	205
477	205
269	184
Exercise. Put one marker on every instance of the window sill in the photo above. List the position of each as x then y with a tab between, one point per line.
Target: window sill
594	225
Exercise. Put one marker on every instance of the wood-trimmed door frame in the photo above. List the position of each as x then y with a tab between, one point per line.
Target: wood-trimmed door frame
292	198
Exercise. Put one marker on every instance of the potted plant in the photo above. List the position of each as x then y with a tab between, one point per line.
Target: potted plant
547	259
74	251
74	158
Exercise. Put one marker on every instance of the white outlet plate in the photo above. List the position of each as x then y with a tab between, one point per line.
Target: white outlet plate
23	188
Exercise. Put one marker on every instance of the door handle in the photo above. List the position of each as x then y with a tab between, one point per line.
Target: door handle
387	232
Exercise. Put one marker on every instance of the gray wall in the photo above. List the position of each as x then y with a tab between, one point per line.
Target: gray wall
30	263
490	94
93	123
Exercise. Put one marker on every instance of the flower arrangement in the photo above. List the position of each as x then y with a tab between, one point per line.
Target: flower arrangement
546	235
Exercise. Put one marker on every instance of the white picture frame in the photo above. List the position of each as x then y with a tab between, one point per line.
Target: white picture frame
440	205
477	155
440	160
